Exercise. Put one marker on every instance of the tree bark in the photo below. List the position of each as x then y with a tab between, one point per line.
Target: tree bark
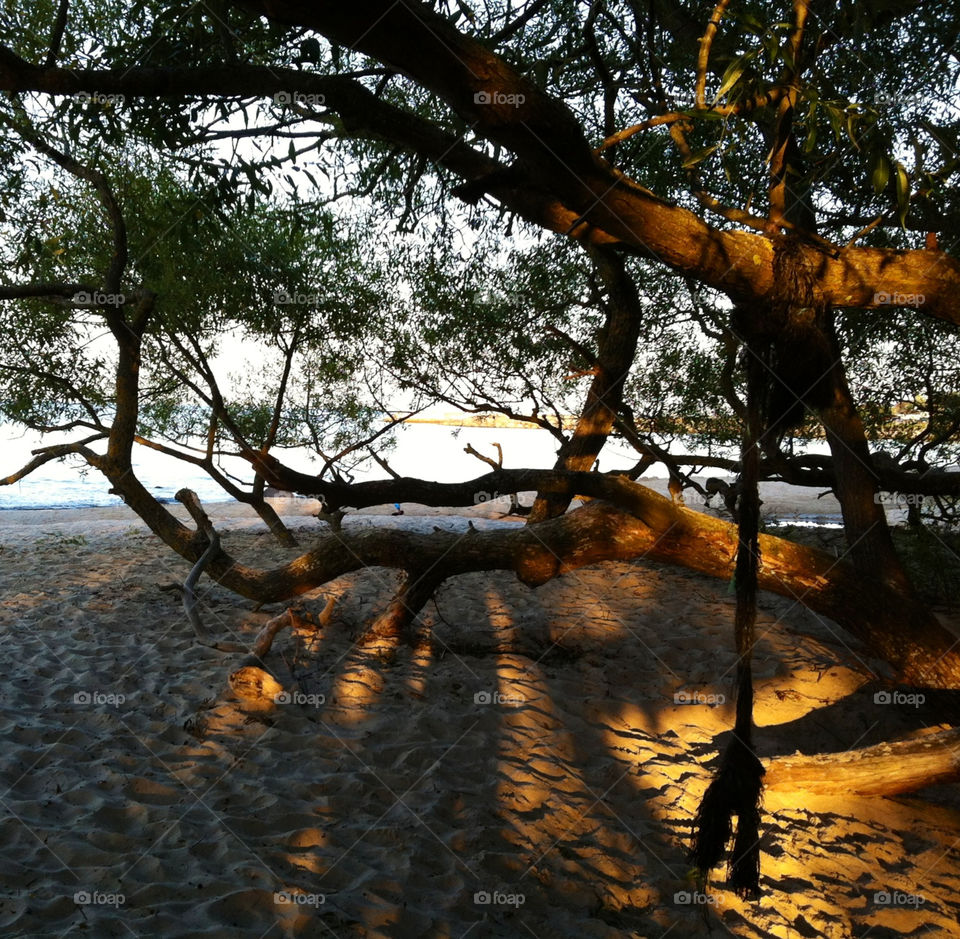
885	770
645	525
616	349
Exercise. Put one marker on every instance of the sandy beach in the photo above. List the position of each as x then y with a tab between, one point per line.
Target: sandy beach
529	767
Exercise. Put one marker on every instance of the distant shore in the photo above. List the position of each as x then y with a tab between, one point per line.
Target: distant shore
782	504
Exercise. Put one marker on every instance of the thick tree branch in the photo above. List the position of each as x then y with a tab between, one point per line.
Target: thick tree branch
549	141
574	191
54	453
647	525
886	769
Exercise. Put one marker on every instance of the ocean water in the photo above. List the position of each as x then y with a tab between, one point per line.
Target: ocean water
427	451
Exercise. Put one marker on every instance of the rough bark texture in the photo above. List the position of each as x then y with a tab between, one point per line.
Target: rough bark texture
565	187
885	770
616	348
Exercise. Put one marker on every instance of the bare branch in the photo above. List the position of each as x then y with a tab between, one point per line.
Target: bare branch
55	453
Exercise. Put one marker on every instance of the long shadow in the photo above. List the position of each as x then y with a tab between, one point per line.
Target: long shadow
523	768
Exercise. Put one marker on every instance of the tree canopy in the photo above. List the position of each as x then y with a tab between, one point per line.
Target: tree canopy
670	221
373	196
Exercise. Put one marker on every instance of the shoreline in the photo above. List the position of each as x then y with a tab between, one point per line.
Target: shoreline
781	502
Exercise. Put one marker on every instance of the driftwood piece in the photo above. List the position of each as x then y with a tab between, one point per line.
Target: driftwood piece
251	679
255	684
885	769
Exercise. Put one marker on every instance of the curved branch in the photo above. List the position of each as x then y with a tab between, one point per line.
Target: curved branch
565	187
703	58
55	453
189	585
893	623
101	185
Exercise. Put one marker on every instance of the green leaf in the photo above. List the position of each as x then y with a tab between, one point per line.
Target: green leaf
698	157
732	75
881	173
903	193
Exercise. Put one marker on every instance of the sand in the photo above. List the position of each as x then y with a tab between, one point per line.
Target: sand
527	768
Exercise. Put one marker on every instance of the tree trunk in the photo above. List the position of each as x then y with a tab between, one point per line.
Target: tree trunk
273	521
871	548
646	525
616	349
885	769
864	520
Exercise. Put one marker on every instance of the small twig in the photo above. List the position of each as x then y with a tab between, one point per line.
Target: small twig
493	464
383	464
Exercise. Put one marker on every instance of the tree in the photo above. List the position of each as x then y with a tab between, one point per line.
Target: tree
747	181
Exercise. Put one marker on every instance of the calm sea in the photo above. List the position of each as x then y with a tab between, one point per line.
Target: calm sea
428	451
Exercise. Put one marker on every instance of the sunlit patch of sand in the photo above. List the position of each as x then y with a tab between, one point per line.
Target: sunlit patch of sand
407	793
